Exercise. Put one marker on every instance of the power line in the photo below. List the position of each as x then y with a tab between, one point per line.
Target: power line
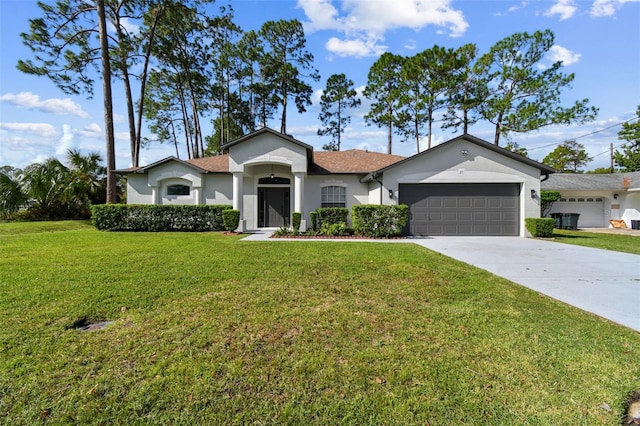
608	150
585	135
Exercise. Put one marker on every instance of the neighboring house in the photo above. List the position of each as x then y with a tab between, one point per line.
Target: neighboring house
465	186
598	198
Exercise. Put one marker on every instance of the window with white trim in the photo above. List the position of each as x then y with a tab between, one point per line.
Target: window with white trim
334	196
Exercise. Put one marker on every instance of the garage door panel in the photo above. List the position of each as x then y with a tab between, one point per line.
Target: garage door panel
480	203
457	203
462	209
512	203
510	217
495	216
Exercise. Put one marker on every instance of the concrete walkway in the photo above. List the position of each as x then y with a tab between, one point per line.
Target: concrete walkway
602	282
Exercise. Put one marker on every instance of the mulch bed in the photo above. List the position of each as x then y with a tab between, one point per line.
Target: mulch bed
341	237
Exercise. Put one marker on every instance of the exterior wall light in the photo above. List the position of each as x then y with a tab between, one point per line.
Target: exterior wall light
615	196
391	193
534	195
464	151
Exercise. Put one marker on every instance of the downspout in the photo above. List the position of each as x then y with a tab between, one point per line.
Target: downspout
374	177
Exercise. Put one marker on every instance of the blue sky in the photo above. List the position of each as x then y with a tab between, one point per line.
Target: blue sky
598	40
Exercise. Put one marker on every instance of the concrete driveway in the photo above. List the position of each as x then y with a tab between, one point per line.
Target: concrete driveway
603	282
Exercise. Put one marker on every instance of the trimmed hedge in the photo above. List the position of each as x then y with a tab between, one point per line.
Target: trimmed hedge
156	218
314	220
372	220
296	218
332	215
231	219
540	226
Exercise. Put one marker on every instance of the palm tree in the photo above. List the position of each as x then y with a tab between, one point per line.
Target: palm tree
12	195
86	180
45	185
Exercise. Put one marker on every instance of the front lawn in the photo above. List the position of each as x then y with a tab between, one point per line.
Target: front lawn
212	330
615	242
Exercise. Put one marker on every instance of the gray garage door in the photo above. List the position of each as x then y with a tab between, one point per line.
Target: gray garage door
462	209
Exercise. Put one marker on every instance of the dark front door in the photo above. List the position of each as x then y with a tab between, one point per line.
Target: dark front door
273	207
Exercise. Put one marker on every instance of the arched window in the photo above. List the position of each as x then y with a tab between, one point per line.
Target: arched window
274	180
334	196
178	190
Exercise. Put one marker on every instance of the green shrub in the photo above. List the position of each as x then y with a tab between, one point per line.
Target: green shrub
375	221
314	220
547	198
231	219
154	218
333	229
331	215
539	226
296	218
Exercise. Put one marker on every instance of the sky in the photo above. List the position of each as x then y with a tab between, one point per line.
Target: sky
597	40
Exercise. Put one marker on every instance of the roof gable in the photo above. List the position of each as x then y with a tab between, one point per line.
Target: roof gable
145	169
265	130
546	170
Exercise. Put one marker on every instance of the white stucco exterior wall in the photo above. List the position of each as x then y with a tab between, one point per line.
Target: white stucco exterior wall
356	192
478	165
268	149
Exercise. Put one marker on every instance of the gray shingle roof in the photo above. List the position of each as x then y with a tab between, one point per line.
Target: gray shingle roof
586	182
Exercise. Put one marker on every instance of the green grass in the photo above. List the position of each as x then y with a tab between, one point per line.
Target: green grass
615	242
212	330
16	228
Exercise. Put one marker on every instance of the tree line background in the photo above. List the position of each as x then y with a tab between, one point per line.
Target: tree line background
183	66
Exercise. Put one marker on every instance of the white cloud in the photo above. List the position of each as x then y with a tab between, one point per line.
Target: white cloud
127	25
515	8
316	97
43	130
93	130
565	9
122	137
322	14
66	141
601	8
57	106
364	23
358	48
559	53
410	44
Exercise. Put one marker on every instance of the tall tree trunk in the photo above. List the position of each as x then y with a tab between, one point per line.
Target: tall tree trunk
127	90
339	123
429	127
143	86
465	121
186	123
416	123
496	139
389	130
197	131
108	103
130	113
283	123
175	139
